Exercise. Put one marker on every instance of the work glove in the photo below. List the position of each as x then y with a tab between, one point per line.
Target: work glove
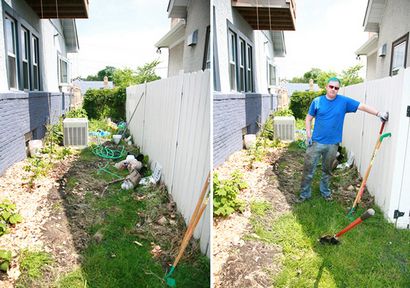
384	116
309	142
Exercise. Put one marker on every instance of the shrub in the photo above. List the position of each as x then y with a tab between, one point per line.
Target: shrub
225	199
102	103
300	102
283	112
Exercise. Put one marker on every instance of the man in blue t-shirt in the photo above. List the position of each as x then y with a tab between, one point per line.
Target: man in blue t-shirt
329	112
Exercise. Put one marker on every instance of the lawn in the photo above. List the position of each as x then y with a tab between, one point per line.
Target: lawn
118	255
374	254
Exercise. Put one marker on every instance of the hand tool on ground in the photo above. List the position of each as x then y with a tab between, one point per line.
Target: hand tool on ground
329	239
196	216
366	175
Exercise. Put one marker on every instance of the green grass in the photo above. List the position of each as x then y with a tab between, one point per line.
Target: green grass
374	254
260	207
116	261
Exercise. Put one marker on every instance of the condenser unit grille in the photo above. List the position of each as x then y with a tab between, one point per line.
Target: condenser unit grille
75	132
284	128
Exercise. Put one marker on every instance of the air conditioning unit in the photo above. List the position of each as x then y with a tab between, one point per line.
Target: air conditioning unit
75	132
284	128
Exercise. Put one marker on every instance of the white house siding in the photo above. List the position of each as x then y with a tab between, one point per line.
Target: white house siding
371	66
395	23
52	46
263	54
198	18
175	59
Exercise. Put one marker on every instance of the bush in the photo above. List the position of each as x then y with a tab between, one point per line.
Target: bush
300	102
283	112
105	103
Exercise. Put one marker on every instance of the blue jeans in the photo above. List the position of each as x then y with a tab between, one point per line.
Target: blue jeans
313	153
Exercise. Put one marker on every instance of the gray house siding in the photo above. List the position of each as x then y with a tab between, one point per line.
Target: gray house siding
22	113
198	18
395	24
235	115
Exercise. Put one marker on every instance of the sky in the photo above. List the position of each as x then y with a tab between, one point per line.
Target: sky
328	32
123	33
120	34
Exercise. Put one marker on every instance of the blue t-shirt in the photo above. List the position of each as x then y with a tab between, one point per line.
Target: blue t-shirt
329	117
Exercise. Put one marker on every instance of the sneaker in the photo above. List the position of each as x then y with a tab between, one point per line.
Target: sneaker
301	200
328	198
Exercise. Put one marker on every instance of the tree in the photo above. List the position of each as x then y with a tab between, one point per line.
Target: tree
127	77
351	75
107	71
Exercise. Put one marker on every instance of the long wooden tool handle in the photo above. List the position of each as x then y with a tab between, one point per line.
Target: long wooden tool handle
188	234
369	213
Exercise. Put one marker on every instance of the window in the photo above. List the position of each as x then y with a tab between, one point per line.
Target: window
207	55
63	70
271	75
22	46
11	52
232	59
249	69
240	61
25	45
36	71
399	54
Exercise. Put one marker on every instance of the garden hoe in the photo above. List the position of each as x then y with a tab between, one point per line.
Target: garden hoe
334	240
366	175
196	216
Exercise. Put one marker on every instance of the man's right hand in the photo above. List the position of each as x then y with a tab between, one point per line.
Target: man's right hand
384	116
309	142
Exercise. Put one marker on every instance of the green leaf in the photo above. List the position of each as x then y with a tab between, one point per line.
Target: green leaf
16	218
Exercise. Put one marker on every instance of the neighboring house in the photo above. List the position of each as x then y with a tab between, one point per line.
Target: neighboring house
248	37
292	87
387	48
35	37
188	38
85	85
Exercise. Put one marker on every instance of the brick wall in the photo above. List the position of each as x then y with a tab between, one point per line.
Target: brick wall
21	113
231	114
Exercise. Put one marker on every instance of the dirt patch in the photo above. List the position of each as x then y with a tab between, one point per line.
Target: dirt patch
251	265
230	263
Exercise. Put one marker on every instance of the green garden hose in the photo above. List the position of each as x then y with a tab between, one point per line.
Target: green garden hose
107	153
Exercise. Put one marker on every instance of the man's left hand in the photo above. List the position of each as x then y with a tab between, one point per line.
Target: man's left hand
384	116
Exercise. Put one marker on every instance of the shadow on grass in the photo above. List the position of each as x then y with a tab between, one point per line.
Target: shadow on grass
115	233
374	254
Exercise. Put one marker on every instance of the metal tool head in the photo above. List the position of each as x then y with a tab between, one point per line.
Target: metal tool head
329	239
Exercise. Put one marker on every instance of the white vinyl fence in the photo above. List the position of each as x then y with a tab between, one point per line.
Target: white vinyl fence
389	179
172	126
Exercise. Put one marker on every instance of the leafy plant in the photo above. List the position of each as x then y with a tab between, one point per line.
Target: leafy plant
225	199
300	102
5	259
102	103
8	216
283	112
76	113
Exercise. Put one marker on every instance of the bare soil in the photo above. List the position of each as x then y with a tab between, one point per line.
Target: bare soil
239	260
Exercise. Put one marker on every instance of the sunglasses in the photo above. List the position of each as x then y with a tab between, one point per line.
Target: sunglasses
334	87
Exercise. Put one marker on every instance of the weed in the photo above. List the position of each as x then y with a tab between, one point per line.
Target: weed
74	279
5	259
32	266
225	199
260	207
8	216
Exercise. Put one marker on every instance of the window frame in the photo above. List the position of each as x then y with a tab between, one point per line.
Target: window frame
206	64
242	59
403	39
22	47
60	74
13	54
